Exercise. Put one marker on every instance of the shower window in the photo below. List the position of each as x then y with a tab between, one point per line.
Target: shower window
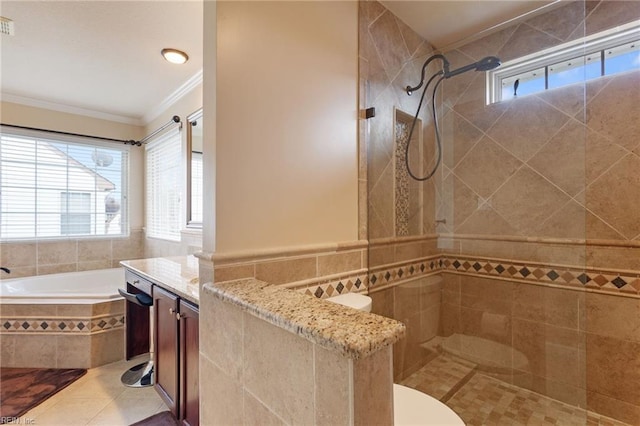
606	53
52	188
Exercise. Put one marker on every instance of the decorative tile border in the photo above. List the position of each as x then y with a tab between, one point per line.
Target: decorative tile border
610	281
349	284
624	283
391	274
57	325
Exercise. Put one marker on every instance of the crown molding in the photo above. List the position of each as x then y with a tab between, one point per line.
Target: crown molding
38	103
174	97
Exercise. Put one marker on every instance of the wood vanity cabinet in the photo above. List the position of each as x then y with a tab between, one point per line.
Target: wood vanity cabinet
176	355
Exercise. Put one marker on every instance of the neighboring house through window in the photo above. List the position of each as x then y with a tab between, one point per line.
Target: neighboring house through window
55	188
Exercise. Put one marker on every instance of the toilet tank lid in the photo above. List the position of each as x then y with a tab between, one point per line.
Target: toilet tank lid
353	300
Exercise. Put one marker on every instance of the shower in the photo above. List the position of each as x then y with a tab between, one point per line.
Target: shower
484	64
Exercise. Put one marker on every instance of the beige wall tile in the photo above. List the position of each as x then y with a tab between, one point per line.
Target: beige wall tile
486	167
57	253
57	269
73	351
19	272
227	273
613	368
257	414
18	310
339	262
286	271
613	316
281	376
613	257
526	40
450	319
472	104
221	396
389	42
222	324
614	408
7	350
382	302
372	388
332	390
107	347
94	250
408	251
93	265
17	254
35	351
75	310
610	14
537	123
526	200
128	248
379	256
626	179
113	307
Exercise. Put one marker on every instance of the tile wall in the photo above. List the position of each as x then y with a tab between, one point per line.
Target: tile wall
546	182
247	380
41	258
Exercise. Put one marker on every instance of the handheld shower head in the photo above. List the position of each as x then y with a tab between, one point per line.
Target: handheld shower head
484	64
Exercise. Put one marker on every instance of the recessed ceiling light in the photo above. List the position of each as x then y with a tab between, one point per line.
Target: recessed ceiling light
175	56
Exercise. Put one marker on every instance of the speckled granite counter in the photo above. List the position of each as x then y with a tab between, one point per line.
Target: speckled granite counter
177	274
350	332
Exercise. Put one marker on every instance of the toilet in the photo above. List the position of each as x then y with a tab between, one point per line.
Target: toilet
410	407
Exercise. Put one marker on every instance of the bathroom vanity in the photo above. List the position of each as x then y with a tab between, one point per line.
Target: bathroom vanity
173	284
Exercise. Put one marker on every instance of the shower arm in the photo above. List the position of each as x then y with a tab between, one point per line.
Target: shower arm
445	71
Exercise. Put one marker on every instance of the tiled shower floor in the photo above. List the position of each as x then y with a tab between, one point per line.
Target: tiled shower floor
482	400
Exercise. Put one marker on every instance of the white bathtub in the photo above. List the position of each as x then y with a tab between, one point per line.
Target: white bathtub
68	320
72	287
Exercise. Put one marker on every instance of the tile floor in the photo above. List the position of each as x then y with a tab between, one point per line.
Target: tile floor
482	400
97	398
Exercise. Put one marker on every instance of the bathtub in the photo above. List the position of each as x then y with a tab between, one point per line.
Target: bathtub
67	320
70	287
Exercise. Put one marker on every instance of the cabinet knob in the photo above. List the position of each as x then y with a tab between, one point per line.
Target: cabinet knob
136	282
172	311
178	316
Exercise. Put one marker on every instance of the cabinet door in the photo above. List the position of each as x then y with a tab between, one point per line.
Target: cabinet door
189	359
165	307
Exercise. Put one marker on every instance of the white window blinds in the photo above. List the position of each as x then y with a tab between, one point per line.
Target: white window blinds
163	186
55	188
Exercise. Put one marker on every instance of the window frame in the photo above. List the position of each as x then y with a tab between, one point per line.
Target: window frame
82	141
579	48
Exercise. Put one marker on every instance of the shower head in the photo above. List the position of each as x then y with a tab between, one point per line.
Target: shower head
484	64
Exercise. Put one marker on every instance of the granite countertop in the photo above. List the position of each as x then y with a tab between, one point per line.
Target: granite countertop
355	334
177	274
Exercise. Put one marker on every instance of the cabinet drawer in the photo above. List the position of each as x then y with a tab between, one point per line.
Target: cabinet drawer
138	282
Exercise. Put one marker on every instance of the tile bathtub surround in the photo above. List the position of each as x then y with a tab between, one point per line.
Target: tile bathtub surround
317	384
62	336
42	258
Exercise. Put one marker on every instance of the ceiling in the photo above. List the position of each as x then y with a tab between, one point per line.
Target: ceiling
446	23
100	58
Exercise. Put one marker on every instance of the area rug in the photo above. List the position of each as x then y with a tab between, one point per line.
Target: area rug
21	389
164	418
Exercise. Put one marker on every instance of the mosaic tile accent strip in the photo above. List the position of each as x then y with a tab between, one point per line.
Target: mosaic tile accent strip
607	281
399	272
58	325
351	284
401	180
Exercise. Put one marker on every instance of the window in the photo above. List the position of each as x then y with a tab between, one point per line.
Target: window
53	188
163	179
606	53
75	213
196	186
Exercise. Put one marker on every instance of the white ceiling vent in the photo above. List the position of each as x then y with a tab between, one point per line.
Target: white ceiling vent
6	26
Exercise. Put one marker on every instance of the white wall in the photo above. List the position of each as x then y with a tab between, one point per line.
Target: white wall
286	140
